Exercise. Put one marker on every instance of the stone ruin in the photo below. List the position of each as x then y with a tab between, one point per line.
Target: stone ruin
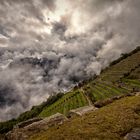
24	130
81	111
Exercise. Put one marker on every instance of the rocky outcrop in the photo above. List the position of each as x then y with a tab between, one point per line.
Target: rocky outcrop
133	135
23	131
138	94
28	122
53	120
80	111
107	101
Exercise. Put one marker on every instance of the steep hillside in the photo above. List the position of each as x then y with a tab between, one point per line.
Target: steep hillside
118	79
71	100
111	122
121	78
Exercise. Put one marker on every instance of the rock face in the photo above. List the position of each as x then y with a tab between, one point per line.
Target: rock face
24	132
107	101
81	111
133	135
138	94
28	122
47	122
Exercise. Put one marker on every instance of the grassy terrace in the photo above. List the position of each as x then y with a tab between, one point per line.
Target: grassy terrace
102	90
98	125
69	101
132	83
135	74
117	71
103	87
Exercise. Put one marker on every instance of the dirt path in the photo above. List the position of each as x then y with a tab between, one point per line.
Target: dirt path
89	101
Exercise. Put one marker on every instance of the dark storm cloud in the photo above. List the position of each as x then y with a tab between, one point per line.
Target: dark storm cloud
59	29
3	32
47	46
50	4
5	97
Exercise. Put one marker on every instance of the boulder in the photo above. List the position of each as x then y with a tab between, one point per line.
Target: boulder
102	103
81	111
138	94
107	101
24	132
28	122
133	135
53	120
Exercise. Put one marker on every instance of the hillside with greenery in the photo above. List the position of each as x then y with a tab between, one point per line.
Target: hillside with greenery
111	122
120	78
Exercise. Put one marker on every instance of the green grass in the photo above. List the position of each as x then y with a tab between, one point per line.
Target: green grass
65	104
135	74
132	82
105	93
117	71
111	122
102	90
95	93
114	89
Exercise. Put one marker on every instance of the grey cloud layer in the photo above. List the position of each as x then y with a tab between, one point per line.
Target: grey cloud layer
67	41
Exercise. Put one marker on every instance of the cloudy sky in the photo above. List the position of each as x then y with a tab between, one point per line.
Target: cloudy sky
47	46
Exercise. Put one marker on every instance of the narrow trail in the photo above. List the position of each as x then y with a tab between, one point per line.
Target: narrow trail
89	101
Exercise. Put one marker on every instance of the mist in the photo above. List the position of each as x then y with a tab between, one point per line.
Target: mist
48	46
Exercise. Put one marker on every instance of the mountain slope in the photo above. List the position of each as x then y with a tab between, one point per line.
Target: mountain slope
111	122
119	79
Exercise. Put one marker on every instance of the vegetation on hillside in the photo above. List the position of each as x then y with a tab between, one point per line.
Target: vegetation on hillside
72	100
34	112
124	56
112	82
111	122
122	77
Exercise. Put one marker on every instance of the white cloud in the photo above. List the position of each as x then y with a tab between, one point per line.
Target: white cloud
67	40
